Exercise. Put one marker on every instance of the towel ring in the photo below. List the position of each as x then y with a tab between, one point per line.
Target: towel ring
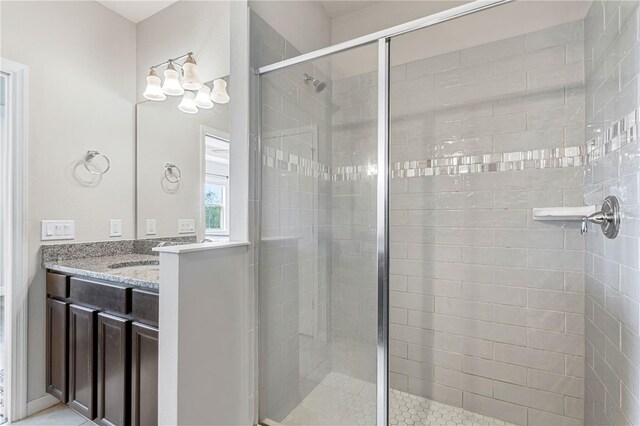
89	158
169	171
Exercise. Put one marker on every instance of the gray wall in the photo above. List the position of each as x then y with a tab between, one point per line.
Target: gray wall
82	90
612	66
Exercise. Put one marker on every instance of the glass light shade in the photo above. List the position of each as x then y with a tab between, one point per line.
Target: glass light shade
188	104
153	91
171	84
219	93
202	98
190	79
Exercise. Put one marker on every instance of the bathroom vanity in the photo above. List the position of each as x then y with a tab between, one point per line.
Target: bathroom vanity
102	337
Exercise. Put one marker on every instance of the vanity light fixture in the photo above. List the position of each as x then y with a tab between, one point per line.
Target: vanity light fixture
153	91
195	94
190	79
171	84
219	93
202	98
188	104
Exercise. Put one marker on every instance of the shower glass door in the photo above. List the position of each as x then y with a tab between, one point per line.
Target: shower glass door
487	123
318	286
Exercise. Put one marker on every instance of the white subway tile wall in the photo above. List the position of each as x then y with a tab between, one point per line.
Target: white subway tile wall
612	64
487	306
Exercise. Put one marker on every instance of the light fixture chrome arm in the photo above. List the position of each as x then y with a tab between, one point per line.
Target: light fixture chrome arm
173	61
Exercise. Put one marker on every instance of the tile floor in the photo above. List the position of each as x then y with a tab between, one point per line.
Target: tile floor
343	400
337	400
59	415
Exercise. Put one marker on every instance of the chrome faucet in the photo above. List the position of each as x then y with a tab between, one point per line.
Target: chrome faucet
162	244
206	240
608	218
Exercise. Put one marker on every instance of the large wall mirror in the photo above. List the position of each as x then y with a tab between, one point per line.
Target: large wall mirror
182	171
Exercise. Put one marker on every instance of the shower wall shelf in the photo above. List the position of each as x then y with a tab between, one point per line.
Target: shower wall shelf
563	213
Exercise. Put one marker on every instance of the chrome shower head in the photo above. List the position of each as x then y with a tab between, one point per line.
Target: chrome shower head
317	84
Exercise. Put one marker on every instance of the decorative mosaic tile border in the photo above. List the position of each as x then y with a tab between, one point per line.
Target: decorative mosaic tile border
278	159
483	163
617	135
496	162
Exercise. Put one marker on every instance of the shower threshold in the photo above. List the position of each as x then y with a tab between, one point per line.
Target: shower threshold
343	400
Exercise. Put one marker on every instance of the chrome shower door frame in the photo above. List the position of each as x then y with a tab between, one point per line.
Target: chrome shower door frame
383	40
382	229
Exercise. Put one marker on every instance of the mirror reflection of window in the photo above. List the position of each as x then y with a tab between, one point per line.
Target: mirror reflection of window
216	188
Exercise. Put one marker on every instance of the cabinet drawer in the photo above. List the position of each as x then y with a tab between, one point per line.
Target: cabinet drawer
57	285
110	297
144	305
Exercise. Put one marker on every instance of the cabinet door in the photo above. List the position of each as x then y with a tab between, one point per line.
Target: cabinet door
144	375
82	360
57	348
113	371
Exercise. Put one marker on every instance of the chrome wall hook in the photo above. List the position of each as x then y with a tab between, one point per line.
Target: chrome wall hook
608	218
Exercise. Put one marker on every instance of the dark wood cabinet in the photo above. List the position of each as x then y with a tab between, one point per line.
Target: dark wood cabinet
57	346
145	306
104	296
102	349
57	285
113	370
82	360
144	375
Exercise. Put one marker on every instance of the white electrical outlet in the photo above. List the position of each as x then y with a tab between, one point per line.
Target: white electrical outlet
151	227
58	230
186	226
116	228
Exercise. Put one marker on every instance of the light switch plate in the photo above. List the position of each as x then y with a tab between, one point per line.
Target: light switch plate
186	226
58	230
115	228
151	227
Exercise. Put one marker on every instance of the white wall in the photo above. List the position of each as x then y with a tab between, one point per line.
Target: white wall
202	347
81	59
501	22
305	24
201	27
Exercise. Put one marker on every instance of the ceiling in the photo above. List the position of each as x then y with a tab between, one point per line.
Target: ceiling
137	11
335	8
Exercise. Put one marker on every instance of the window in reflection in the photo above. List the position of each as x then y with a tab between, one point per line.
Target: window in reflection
216	188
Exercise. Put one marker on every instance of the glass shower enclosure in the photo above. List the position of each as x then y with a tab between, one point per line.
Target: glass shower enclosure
402	278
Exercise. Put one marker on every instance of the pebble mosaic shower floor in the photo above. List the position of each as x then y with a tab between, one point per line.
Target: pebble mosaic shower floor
343	400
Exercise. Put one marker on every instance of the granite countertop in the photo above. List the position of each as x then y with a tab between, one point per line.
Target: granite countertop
147	276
